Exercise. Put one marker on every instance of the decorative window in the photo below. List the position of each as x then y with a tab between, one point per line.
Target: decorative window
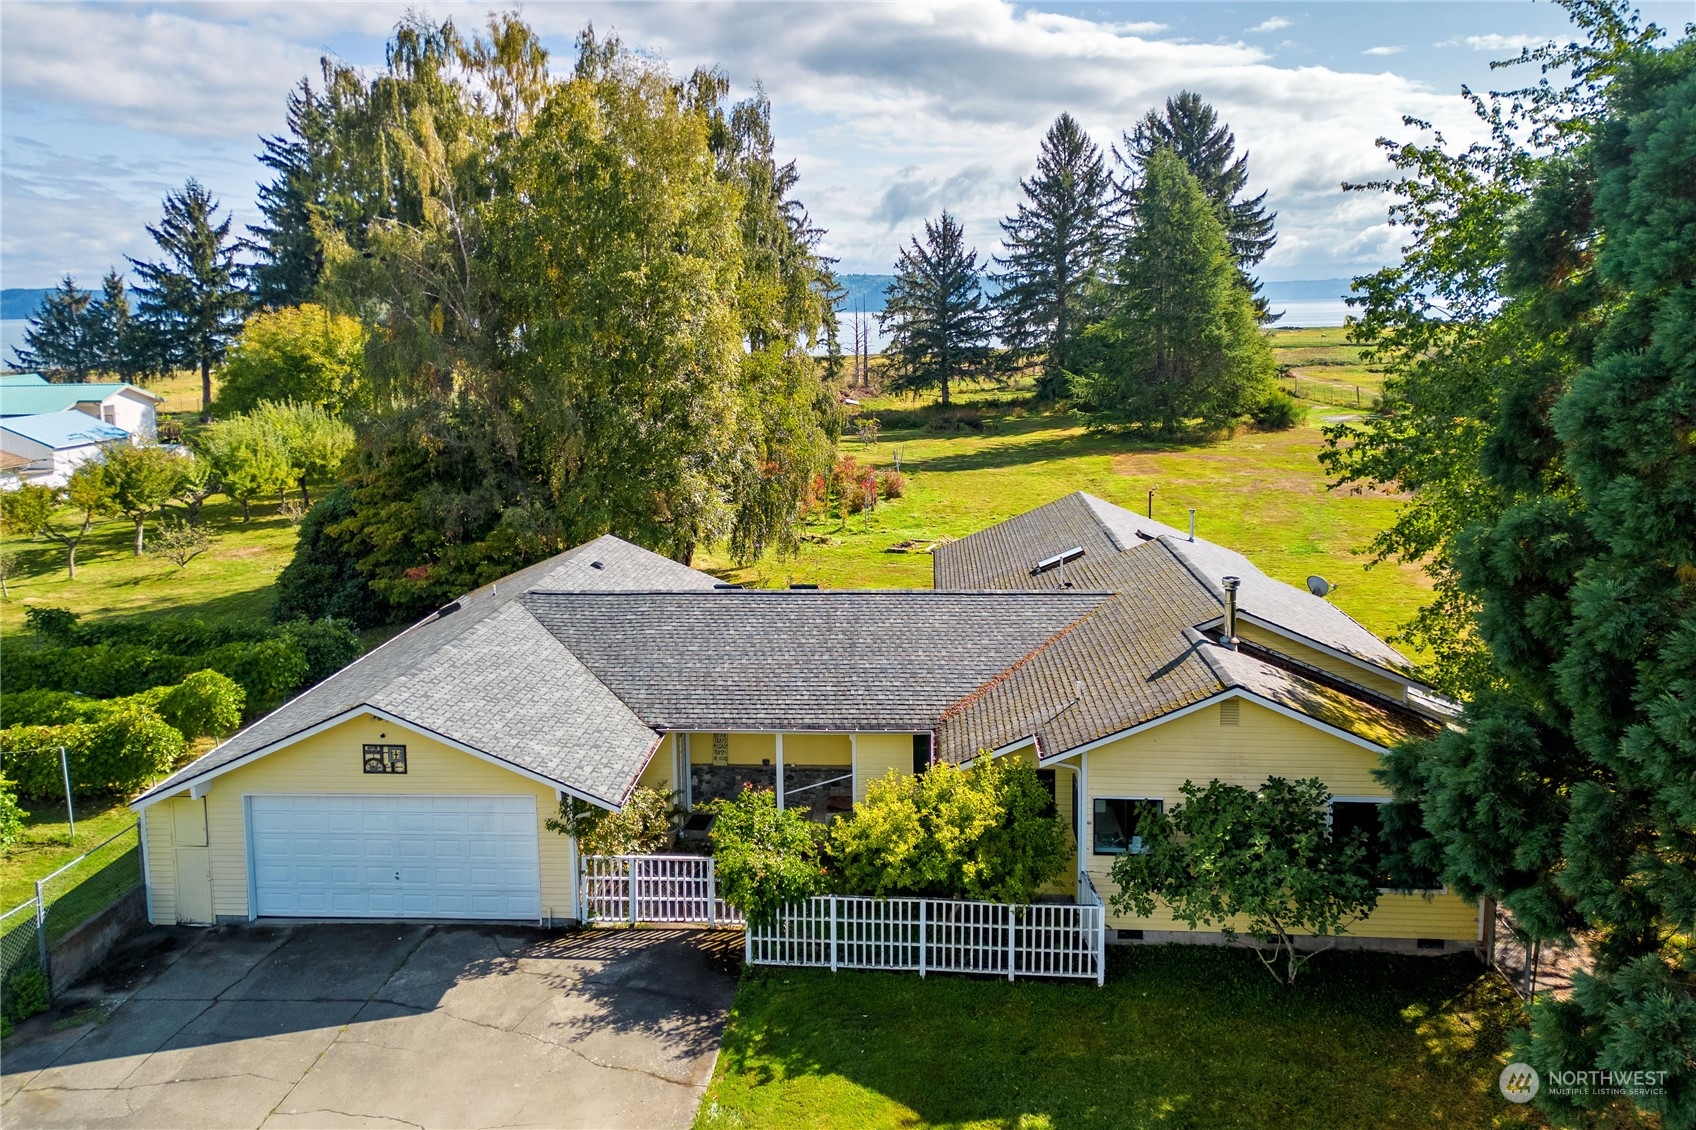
1116	823
385	759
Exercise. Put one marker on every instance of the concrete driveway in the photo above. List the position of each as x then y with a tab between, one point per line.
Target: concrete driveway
328	1025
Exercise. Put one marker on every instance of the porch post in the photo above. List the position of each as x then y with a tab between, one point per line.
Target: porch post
780	772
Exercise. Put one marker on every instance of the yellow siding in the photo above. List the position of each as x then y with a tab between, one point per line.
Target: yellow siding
661	772
329	762
877	754
1196	747
745	749
817	749
1313	657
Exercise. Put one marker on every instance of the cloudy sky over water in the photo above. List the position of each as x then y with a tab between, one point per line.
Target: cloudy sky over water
893	111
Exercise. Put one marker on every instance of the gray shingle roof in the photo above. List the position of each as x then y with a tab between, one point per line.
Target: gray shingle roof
765	660
488	677
1002	555
1136	658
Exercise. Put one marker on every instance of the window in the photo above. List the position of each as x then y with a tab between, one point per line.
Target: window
921	753
1351	816
1045	777
385	759
1116	823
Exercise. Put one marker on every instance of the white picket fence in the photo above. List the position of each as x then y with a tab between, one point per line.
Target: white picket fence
935	936
652	888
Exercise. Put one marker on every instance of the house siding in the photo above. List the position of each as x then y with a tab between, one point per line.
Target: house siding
329	763
1198	747
878	754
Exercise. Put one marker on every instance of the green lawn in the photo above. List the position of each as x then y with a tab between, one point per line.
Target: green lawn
1262	493
1180	1036
46	846
1324	368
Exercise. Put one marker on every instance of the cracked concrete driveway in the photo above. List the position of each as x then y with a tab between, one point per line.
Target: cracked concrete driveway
328	1025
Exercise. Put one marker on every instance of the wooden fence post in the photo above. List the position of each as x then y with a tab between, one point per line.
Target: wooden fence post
924	924
1011	934
833	933
630	873
712	894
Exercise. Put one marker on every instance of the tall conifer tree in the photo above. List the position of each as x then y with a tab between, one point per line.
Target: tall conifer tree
935	313
1191	128
1056	241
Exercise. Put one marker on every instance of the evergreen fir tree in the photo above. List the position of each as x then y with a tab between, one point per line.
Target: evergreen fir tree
935	314
1178	341
290	252
58	342
1056	241
191	300
1190	127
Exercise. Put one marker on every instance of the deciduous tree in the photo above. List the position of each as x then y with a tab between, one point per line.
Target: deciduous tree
1266	856
301	354
138	481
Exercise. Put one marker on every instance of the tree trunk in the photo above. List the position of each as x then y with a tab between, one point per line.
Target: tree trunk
205	390
305	499
245	516
138	533
71	561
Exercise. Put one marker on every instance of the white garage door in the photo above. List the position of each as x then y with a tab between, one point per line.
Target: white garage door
395	856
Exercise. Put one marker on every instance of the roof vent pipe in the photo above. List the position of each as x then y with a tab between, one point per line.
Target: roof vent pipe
1192	523
1231	584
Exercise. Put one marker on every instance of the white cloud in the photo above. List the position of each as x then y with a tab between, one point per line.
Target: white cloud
1276	23
1500	42
892	112
1382	51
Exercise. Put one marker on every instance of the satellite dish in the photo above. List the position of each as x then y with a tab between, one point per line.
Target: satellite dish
1319	586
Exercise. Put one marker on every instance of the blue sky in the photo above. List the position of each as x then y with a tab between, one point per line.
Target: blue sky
892	110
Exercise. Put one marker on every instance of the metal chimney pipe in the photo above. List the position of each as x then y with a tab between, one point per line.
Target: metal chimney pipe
1231	584
1192	523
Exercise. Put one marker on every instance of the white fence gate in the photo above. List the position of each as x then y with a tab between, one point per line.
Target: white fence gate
652	888
935	936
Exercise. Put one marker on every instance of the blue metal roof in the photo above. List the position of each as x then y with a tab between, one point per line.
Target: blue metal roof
30	400
60	430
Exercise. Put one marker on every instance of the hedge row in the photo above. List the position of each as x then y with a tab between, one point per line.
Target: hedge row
206	704
120	753
109	662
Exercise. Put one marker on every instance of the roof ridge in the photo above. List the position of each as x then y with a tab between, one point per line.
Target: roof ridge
960	705
1083	497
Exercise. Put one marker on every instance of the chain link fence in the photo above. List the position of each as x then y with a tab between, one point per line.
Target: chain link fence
63	901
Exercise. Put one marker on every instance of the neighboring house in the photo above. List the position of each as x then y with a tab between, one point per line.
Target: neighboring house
1091	642
52	446
122	405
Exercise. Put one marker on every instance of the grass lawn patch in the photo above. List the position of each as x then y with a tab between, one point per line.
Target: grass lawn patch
1261	493
46	846
1180	1036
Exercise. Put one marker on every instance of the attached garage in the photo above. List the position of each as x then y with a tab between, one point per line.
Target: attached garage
318	856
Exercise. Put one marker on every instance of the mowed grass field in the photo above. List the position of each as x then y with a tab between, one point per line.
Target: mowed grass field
1179	1037
1263	494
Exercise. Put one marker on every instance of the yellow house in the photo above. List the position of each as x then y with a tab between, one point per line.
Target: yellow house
1110	650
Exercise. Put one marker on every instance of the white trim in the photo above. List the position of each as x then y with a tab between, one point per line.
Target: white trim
147	870
1212	700
854	764
197	790
1296	637
202	780
247	840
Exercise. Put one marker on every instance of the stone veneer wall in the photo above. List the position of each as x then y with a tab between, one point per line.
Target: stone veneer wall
710	782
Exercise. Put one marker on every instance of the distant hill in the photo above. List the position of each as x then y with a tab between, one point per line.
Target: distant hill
21	302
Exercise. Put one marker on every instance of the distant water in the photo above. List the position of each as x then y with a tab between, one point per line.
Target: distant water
1309	313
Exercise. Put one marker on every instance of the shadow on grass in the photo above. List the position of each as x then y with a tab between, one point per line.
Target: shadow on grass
1179	1036
1010	447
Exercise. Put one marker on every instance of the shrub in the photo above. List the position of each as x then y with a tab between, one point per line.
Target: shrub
206	704
323	578
1276	412
178	542
891	484
984	831
118	753
958	420
327	645
642	827
58	625
765	858
23	993
11	816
